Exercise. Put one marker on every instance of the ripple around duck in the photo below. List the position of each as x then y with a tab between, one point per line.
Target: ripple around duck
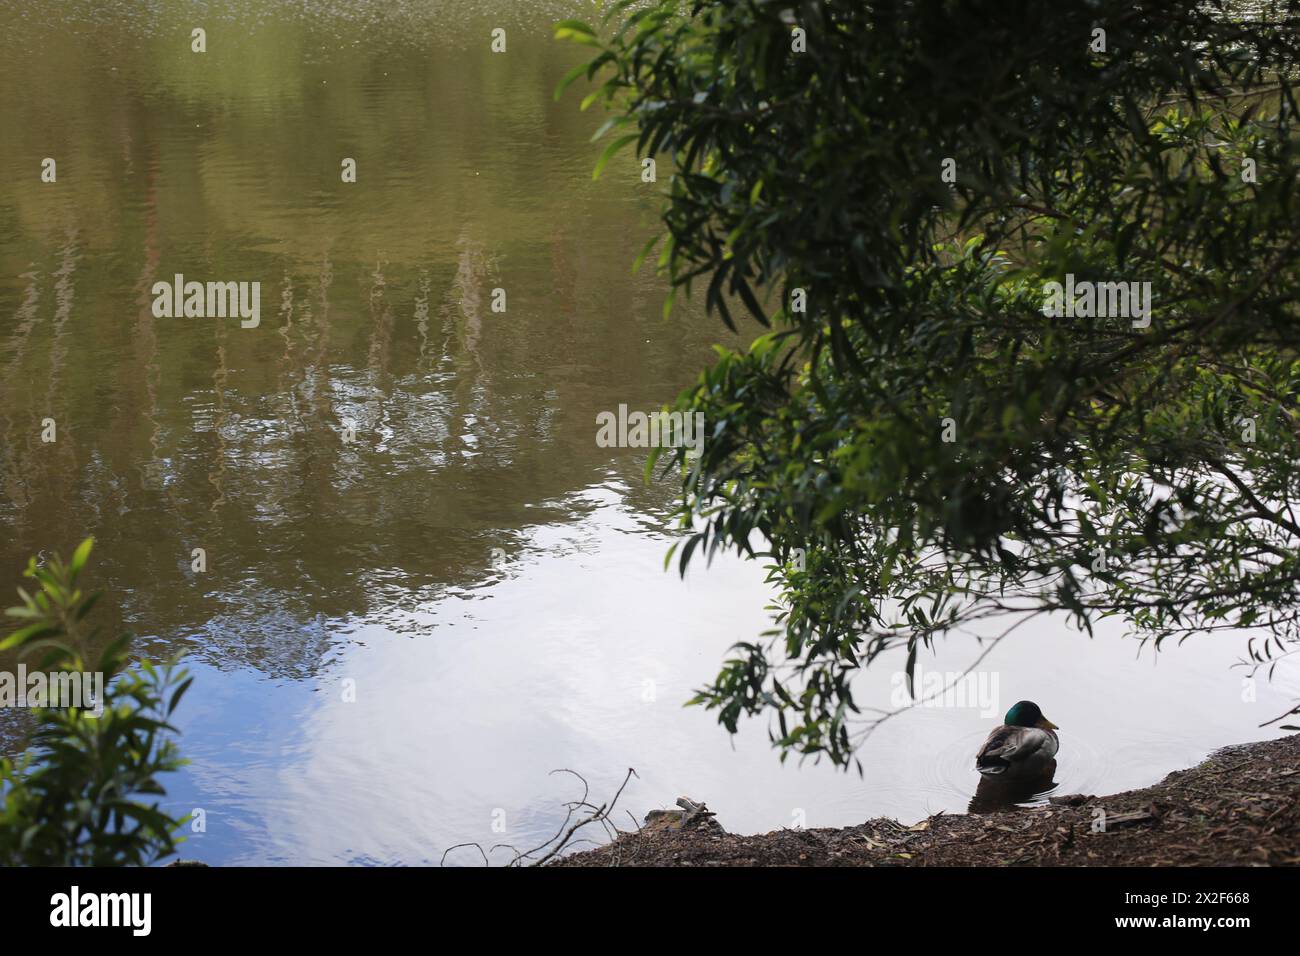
951	778
948	775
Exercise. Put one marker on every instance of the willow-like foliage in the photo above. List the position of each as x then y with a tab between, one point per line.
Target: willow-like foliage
920	441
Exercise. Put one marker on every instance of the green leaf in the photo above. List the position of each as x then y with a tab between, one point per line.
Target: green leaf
574	26
31	632
609	152
79	557
567	80
645	251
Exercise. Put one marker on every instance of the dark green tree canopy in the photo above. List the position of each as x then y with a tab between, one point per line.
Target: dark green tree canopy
921	440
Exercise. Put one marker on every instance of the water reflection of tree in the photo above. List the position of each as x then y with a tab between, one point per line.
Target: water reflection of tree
473	425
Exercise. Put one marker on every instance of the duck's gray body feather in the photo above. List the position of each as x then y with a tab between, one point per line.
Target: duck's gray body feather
1017	750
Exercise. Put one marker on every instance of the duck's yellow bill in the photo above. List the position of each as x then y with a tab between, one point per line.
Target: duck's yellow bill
1047	724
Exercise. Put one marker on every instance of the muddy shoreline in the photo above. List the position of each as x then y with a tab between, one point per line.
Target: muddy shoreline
1239	807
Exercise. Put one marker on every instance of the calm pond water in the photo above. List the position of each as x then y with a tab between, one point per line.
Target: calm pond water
487	578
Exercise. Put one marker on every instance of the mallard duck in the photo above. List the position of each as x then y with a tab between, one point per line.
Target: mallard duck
1025	745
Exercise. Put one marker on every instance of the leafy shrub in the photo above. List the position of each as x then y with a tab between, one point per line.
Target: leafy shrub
74	799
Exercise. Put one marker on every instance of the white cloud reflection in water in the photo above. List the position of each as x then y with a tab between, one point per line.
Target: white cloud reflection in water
544	669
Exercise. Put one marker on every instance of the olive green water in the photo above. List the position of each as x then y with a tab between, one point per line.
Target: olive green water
397	636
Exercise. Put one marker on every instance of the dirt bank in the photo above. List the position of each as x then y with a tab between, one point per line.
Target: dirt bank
1241	807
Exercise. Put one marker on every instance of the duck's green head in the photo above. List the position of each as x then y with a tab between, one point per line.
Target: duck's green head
1025	713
